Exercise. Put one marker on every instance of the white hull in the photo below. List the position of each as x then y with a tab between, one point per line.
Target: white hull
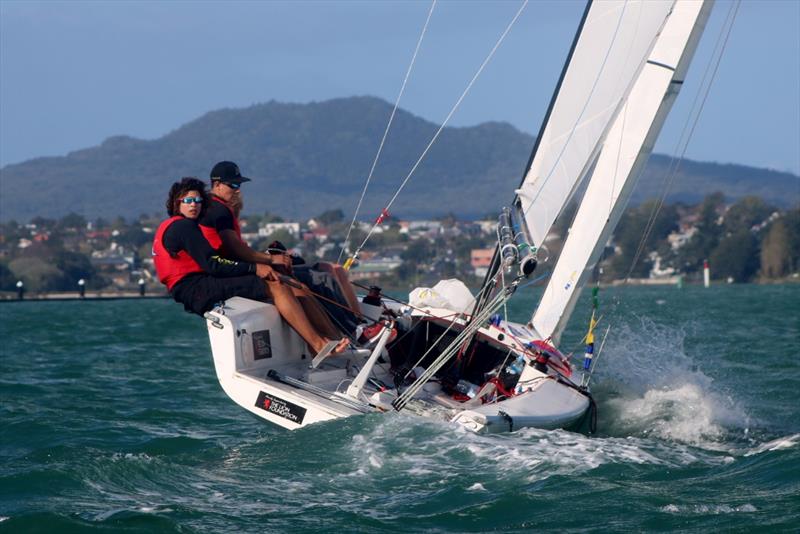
264	366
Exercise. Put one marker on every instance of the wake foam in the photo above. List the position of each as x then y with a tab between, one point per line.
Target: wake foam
706	509
684	413
656	389
786	442
644	355
424	450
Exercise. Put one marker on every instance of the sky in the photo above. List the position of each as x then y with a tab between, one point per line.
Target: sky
74	73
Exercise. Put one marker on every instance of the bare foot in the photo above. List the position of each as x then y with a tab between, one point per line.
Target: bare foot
330	348
342	346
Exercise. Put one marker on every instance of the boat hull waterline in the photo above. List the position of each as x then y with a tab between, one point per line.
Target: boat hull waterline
265	368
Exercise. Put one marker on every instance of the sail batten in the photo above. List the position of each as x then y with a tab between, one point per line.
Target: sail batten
625	151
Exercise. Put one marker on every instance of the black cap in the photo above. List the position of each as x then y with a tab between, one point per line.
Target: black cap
227	172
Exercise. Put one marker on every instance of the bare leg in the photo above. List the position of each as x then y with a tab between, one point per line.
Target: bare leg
315	312
292	312
344	283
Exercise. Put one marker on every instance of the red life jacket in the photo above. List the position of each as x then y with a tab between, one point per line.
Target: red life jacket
212	235
171	269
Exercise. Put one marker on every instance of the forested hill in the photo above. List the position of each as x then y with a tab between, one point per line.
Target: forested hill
306	158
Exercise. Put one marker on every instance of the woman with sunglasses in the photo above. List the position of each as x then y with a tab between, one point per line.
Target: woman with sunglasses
197	277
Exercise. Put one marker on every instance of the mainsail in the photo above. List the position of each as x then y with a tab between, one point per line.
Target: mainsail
623	155
613	42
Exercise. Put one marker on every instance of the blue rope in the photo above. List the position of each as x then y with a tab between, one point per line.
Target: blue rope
537	279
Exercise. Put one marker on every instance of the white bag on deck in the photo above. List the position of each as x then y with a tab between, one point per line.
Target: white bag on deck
451	294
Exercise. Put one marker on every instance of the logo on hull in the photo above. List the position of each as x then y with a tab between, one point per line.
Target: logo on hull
281	408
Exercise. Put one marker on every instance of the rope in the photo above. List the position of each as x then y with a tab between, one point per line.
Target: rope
535	280
464	336
386	131
289	281
385	210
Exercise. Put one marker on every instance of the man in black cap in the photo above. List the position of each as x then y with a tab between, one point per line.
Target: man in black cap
220	223
220	226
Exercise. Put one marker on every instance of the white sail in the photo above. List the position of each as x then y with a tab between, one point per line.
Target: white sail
623	155
615	39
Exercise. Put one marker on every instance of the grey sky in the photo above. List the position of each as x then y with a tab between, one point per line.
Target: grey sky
74	73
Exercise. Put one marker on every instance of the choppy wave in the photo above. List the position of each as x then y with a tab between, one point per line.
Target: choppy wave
708	509
786	442
109	432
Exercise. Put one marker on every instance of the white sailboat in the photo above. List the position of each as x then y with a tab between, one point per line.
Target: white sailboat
621	77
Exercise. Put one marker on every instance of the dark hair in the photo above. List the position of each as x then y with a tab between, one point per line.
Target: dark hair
179	189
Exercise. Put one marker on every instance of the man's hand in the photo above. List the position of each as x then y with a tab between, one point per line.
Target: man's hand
236	204
263	270
281	262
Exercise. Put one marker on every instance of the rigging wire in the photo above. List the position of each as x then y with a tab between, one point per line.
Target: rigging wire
611	196
385	210
463	337
388	126
686	136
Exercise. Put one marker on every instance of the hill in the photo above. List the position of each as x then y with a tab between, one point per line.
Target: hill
306	158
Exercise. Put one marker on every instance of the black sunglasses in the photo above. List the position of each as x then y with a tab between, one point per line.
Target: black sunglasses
235	187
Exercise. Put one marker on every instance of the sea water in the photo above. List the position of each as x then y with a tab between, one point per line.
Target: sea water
111	419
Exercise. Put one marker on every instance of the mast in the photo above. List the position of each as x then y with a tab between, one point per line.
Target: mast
623	155
486	287
610	47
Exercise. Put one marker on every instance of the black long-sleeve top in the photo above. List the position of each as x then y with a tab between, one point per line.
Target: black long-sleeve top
185	234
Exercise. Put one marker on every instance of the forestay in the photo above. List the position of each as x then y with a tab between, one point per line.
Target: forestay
615	38
623	155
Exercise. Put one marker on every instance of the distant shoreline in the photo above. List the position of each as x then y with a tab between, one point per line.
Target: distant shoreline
11	296
61	296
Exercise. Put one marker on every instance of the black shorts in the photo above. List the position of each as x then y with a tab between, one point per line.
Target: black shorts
200	292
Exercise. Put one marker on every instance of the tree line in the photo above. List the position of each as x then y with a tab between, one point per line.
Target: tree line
746	241
743	242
